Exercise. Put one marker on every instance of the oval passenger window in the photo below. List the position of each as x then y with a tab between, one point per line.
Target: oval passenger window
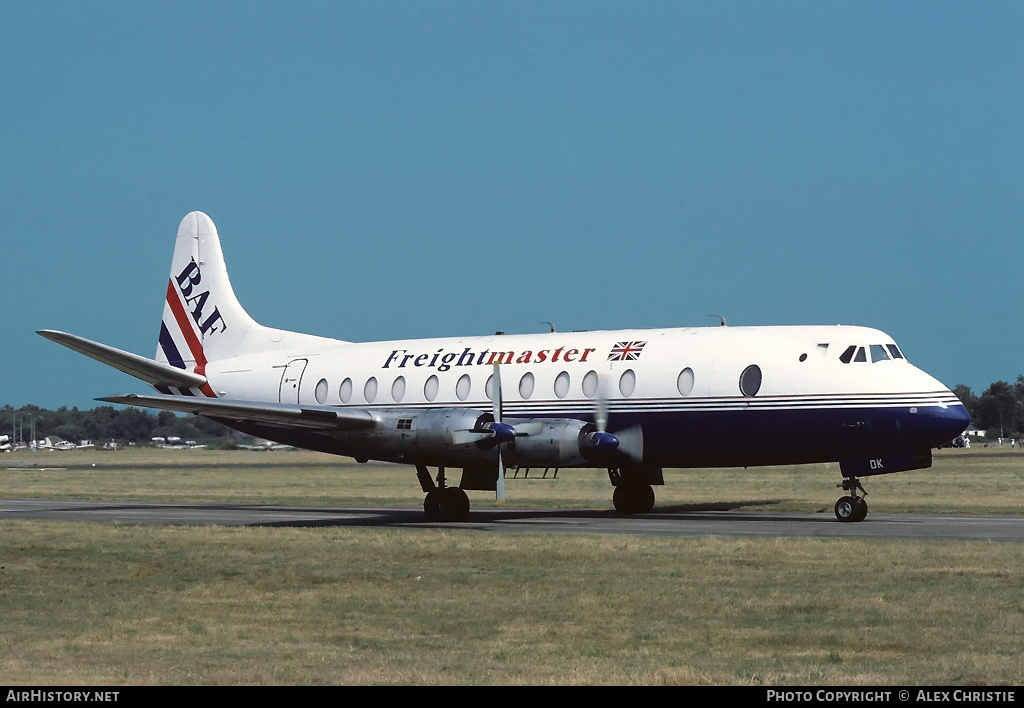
750	380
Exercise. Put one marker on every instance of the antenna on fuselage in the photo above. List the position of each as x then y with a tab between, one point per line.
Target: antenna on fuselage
721	320
549	324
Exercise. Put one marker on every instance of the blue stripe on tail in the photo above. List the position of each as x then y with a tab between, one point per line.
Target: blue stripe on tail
170	350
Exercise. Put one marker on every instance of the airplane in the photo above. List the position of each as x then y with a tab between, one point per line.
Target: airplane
5	443
629	401
265	446
63	445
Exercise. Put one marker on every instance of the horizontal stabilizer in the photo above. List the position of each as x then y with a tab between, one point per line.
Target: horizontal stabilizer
150	371
292	415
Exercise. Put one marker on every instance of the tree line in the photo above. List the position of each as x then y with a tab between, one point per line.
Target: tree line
105	423
1000	409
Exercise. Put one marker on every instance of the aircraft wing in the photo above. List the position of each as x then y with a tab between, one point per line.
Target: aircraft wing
287	414
150	371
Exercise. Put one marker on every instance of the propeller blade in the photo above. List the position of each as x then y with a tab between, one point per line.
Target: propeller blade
528	428
601	410
465	437
499	488
601	403
495	433
501	431
631	443
496	393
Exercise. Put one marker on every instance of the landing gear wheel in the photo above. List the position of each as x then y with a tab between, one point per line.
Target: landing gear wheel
633	498
432	505
446	504
851	509
862	510
461	503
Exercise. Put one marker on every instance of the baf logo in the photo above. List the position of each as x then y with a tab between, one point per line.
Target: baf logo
188	279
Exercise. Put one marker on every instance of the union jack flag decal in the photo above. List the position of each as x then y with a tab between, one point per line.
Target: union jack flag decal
626	351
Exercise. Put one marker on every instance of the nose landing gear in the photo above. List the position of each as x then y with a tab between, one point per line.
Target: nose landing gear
852	508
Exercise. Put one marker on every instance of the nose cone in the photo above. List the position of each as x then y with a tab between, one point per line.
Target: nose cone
938	425
957	418
941	420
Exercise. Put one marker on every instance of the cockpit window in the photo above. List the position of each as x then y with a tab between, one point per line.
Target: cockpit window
879	352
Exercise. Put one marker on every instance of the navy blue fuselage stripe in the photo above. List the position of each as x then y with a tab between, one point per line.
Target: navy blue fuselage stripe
709	439
170	350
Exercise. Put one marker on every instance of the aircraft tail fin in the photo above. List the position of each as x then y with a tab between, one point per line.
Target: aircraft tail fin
202	319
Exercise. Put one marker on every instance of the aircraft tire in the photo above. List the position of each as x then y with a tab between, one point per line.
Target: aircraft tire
432	506
850	509
461	502
633	498
621	499
644	499
448	504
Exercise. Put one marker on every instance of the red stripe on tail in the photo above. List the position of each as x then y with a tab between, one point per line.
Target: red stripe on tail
185	326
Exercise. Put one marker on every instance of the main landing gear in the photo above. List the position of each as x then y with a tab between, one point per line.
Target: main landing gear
631	496
442	503
851	508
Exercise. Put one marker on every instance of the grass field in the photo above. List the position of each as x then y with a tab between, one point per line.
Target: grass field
87	604
976	481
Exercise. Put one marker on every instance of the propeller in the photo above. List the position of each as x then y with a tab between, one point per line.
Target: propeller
600	443
629	441
497	432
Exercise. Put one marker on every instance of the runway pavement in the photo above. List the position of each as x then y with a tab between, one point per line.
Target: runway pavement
661	522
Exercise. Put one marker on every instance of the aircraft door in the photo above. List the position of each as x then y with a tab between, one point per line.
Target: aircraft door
290	381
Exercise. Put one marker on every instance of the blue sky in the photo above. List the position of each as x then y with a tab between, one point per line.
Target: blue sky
403	169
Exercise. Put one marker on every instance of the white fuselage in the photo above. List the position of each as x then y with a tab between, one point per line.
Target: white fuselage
682	385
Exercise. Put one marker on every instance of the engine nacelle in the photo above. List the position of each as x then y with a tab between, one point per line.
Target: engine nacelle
456	436
551	442
428	432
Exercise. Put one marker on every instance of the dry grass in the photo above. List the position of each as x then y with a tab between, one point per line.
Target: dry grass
977	481
103	604
87	604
